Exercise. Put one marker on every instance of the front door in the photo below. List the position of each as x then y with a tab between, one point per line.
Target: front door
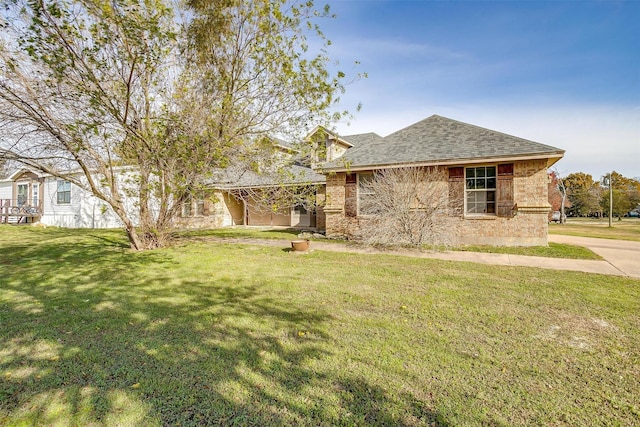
23	194
300	217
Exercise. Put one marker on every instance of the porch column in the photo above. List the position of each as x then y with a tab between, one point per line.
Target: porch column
334	205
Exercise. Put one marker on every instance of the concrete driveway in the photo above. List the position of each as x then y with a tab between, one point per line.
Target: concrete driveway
621	254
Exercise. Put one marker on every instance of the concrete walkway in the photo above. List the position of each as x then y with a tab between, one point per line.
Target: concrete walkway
588	266
620	259
621	254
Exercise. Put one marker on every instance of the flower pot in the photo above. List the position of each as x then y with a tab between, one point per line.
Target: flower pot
300	245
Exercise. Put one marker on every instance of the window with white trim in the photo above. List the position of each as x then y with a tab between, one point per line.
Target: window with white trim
186	208
300	209
480	190
200	207
63	192
194	206
23	194
366	194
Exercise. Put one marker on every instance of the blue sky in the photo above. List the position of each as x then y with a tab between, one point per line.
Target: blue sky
563	73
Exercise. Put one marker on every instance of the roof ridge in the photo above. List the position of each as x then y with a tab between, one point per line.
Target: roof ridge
415	123
437	138
362	133
471	125
492	130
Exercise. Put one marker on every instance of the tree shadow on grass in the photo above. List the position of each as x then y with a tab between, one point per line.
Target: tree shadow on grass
95	334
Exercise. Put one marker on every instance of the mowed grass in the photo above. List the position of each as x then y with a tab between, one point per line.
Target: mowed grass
215	334
627	229
271	233
553	250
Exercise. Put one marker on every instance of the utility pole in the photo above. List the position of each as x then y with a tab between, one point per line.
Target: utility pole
610	200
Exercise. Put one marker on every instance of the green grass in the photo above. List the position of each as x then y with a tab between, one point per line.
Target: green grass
208	333
242	233
554	250
627	229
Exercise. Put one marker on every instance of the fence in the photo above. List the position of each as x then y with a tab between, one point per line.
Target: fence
15	212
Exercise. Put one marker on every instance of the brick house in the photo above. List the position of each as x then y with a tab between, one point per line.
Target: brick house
497	183
238	195
496	186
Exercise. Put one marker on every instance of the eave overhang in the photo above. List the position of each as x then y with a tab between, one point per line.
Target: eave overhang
551	157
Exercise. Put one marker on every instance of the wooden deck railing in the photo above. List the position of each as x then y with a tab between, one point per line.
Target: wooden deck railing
11	208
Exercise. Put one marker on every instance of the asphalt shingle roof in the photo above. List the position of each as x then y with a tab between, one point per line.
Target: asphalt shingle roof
290	175
362	138
438	139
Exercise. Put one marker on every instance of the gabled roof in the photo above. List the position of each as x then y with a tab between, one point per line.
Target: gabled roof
282	144
439	140
16	173
362	138
331	134
68	174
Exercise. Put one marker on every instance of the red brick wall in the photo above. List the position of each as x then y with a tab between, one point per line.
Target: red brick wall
527	227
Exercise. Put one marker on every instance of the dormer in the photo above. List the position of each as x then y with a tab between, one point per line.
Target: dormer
283	149
327	146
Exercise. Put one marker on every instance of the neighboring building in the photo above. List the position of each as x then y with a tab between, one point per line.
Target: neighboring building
234	196
239	198
30	197
497	183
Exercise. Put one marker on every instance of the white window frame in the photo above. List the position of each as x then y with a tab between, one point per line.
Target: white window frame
58	184
22	199
360	193
35	194
194	206
186	210
486	190
200	203
300	209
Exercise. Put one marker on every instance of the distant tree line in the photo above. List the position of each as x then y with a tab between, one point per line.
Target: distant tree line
585	196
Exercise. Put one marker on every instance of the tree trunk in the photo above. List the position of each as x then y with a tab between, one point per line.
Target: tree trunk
134	239
143	199
135	242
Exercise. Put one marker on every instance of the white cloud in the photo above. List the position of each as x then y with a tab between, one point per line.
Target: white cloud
386	48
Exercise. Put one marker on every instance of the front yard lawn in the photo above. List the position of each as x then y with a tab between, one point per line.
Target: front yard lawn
626	229
206	333
553	250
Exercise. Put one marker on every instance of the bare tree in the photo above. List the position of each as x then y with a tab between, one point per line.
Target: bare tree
558	194
405	206
91	88
82	89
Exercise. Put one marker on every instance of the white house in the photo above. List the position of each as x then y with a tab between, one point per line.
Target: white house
28	197
32	197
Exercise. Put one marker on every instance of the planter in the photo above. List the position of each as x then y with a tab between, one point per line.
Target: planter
301	245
